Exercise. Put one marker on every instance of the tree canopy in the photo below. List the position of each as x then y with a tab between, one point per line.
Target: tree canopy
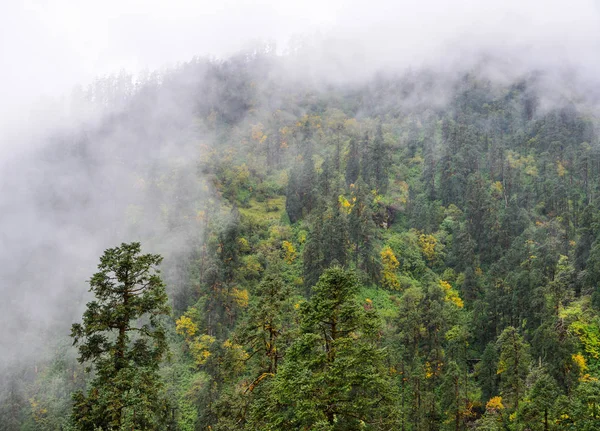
122	338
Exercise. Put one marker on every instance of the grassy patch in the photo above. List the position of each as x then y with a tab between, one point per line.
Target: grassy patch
268	211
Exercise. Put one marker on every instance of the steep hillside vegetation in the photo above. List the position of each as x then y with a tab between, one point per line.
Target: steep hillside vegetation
419	252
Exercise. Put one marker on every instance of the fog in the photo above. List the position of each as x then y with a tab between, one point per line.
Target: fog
67	184
48	47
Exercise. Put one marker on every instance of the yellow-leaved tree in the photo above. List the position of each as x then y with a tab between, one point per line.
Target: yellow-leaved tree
390	264
199	344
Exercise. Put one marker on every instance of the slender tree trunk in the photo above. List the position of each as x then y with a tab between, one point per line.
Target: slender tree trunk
457	401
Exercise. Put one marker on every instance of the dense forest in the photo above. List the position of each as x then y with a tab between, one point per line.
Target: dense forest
416	251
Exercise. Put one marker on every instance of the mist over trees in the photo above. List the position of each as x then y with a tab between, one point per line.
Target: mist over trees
415	251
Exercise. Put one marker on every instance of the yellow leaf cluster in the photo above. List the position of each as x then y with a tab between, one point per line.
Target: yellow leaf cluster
580	362
497	187
560	169
494	404
302	236
501	367
244	245
200	348
427	244
455	299
199	345
527	163
240	297
431	371
428	370
531	171
445	285
289	252
588	378
389	266
451	294
236	350
417	160
186	327
346	204
39	412
351	123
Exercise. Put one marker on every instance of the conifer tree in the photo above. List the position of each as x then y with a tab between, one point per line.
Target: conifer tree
313	253
293	201
123	340
381	160
363	231
513	365
335	377
536	413
353	163
266	323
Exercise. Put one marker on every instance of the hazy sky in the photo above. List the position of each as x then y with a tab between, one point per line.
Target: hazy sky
47	46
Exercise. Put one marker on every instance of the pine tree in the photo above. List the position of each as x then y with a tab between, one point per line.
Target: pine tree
381	161
335	235
123	338
487	372
313	254
537	412
352	163
363	231
267	332
266	323
335	377
293	200
300	195
513	365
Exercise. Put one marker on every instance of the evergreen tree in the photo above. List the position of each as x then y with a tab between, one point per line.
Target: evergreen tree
587	236
313	254
293	199
335	235
513	365
366	164
585	406
380	159
123	338
300	196
337	364
363	231
266	323
266	333
352	163
487	372
537	412
228	245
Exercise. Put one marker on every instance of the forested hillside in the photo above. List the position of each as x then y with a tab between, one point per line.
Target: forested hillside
413	252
